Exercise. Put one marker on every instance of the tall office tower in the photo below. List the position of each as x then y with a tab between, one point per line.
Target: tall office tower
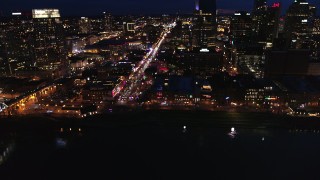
129	28
71	26
204	23
281	24
316	38
3	59
259	4
259	18
272	22
84	25
316	27
107	21
298	24
97	25
266	23
18	40
48	39
241	29
15	42
208	6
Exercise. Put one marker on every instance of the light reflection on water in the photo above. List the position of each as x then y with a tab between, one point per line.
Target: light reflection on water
61	143
7	147
64	135
163	145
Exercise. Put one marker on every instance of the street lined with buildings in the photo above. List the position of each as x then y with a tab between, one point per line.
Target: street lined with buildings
134	86
213	59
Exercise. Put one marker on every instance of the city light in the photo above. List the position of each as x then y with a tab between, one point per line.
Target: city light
205	90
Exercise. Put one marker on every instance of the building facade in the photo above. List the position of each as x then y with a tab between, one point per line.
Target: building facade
48	39
204	23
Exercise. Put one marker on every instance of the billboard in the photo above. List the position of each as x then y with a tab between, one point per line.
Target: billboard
45	13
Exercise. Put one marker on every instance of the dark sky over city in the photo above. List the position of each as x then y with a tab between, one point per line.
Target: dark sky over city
93	7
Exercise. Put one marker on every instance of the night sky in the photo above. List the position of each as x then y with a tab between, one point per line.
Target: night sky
94	7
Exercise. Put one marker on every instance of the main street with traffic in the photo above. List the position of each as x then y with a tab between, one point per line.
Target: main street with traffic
129	90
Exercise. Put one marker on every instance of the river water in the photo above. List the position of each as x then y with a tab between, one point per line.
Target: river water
159	150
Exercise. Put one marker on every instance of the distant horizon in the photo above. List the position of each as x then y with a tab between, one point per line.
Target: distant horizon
127	7
230	11
122	14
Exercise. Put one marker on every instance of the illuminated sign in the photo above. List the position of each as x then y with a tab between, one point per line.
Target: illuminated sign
45	13
16	14
129	26
270	98
197	5
276	5
204	50
304	20
207	87
269	45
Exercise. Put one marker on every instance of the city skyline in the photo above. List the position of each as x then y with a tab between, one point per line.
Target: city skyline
170	89
108	55
72	7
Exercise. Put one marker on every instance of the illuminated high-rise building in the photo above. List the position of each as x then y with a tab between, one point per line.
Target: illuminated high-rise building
259	4
16	38
259	15
84	25
207	6
298	23
204	23
129	28
107	21
48	39
241	29
265	21
71	25
316	38
273	21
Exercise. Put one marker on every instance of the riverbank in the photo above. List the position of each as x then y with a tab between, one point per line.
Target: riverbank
191	118
160	145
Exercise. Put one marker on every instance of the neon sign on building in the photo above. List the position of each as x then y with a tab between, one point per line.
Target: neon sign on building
276	5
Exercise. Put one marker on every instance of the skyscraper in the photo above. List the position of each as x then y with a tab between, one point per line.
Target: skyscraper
241	29
204	23
298	23
258	4
272	22
107	21
128	28
48	39
265	21
84	25
18	40
207	6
